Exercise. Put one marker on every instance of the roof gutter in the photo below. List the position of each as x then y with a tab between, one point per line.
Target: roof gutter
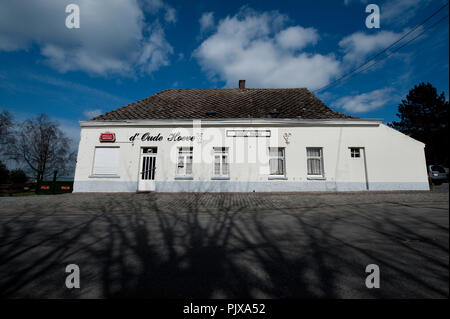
234	122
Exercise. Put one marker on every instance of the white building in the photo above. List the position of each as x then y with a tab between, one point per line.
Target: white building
243	140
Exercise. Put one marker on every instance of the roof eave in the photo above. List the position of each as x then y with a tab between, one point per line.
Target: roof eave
232	121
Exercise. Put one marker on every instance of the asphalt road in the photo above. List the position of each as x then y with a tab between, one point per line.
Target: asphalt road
226	245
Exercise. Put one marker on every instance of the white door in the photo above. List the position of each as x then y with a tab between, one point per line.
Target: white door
358	171
147	169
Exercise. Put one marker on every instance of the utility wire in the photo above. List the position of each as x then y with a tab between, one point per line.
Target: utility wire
403	45
385	49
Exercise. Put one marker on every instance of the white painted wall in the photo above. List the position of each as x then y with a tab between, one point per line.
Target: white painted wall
394	161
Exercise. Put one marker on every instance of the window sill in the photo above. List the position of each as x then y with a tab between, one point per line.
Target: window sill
103	176
318	178
221	178
184	178
278	178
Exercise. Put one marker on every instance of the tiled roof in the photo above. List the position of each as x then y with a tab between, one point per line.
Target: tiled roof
226	104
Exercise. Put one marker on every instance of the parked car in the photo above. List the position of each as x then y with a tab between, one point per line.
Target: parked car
437	174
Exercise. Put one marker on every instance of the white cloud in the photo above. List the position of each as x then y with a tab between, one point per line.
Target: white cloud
395	11
297	37
155	52
154	6
170	15
359	45
111	38
84	90
391	11
253	46
92	113
365	102
206	21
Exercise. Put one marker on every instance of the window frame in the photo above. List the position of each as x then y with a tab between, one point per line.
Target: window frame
278	157
352	149
220	151
320	158
96	175
185	155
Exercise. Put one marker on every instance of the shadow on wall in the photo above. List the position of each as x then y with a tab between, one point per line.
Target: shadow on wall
212	246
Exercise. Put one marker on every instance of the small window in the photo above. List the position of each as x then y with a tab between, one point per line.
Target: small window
355	152
221	164
184	164
106	161
277	161
149	150
314	161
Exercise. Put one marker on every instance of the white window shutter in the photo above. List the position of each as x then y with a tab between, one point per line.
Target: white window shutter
106	161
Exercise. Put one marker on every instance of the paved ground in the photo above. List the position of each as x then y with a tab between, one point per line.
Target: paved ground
226	245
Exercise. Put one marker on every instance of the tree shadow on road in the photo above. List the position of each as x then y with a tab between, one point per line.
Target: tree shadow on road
215	246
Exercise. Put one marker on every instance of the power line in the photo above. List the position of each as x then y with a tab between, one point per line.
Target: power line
385	49
403	45
406	34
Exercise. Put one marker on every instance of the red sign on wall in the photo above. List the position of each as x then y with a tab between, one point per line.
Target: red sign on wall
107	137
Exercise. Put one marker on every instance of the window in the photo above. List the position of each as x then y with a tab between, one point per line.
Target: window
276	161
149	150
221	165
106	161
355	152
184	165
314	161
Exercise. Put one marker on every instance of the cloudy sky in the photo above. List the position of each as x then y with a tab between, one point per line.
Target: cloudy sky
128	50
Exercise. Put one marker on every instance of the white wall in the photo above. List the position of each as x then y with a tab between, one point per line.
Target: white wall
393	160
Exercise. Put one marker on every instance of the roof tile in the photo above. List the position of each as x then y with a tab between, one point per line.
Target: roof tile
226	103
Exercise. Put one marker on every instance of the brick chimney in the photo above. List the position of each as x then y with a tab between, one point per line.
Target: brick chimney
242	84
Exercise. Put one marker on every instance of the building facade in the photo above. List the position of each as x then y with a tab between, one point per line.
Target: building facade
243	140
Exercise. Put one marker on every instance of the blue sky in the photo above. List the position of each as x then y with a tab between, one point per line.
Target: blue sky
128	50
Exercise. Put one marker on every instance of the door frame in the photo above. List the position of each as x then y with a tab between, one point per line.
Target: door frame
147	185
362	151
365	168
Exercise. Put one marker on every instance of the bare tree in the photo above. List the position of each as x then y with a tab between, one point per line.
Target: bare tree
6	125
42	146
